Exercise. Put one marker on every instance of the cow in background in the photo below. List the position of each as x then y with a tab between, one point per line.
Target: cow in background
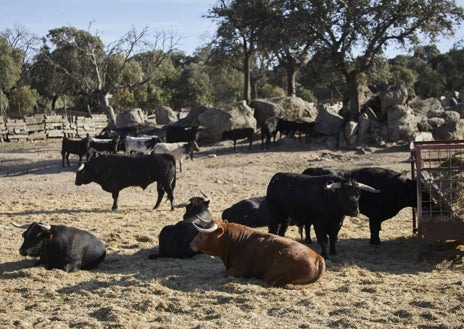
58	246
247	252
268	132
239	133
178	150
180	134
78	147
142	144
174	240
102	146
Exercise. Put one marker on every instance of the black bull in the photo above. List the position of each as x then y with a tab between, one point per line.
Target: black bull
115	172
396	193
174	240
320	200
63	247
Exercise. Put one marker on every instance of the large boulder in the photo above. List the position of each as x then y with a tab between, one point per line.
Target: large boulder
165	115
329	122
402	124
130	118
289	108
396	95
218	120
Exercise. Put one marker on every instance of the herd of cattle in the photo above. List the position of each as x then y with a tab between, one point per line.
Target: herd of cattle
318	197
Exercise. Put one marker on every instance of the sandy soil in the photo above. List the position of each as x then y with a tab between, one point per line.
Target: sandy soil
401	284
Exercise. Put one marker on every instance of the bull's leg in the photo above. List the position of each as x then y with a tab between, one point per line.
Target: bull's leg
322	240
273	226
115	201
307	229
180	165
283	227
67	158
374	226
160	190
333	240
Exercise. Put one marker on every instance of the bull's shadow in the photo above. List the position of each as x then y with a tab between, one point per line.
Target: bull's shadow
54	212
173	273
13	270
21	167
404	255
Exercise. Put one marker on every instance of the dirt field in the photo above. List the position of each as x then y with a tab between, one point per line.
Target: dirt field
363	287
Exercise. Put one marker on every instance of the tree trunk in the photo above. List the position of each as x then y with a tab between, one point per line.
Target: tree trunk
2	109
291	79
351	104
247	78
105	96
254	86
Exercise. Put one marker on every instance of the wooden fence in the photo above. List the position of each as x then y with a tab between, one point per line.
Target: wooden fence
41	126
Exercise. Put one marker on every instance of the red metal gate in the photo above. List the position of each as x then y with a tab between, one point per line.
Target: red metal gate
439	168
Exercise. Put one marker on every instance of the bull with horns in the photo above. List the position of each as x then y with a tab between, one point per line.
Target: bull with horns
174	240
63	247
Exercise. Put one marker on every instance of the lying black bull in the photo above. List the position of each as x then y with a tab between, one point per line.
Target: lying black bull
63	247
320	200
115	172
174	240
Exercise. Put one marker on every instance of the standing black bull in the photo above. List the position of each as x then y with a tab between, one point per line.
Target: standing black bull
115	172
396	193
63	247
239	133
174	240
320	200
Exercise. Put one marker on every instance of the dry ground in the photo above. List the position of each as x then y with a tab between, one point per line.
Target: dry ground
363	287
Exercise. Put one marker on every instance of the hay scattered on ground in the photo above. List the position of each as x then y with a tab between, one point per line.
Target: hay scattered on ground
400	284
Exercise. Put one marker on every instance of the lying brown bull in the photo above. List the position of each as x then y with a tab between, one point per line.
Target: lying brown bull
247	252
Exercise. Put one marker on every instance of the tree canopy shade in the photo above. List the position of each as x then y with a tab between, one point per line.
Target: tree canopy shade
354	32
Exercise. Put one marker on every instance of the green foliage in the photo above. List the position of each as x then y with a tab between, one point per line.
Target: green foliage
22	101
11	61
270	91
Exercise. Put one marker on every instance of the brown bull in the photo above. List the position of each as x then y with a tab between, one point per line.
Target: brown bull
247	252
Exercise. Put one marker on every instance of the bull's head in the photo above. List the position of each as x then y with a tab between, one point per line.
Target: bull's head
194	205
348	194
207	240
82	177
35	238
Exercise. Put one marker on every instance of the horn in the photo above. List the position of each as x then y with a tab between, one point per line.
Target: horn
206	230
333	186
203	220
183	204
205	197
45	226
80	167
368	188
20	225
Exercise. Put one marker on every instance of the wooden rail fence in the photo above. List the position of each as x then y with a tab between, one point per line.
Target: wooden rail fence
41	126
